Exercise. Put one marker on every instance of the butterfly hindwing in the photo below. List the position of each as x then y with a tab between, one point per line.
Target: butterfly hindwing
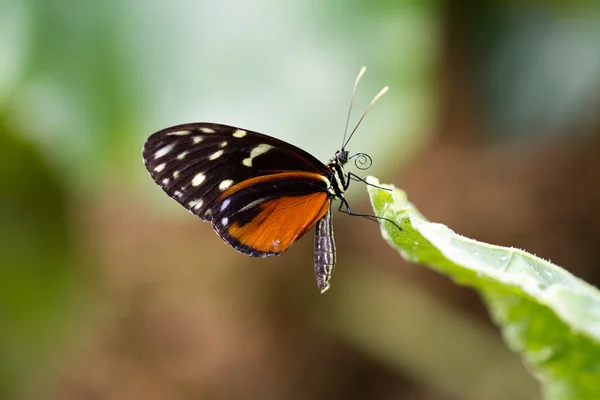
264	216
196	163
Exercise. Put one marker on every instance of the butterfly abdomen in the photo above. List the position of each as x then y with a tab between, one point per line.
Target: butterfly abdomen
324	251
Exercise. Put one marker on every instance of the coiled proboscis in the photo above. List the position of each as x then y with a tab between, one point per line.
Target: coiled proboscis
362	161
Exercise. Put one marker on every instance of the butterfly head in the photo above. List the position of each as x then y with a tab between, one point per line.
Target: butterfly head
341	156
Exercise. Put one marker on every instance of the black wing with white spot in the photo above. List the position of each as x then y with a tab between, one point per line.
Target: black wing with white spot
195	163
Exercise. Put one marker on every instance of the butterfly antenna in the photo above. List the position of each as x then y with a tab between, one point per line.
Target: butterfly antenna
360	74
381	93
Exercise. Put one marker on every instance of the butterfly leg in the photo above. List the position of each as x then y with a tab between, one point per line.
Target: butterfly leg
352	176
324	251
347	210
370	217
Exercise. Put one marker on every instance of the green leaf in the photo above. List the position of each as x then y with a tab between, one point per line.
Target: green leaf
546	314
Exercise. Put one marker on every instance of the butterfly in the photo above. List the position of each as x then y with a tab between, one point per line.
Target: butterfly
261	194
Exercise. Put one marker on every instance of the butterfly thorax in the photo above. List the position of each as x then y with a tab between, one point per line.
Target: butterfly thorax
338	176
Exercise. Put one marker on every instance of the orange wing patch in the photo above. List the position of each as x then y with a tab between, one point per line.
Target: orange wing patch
281	222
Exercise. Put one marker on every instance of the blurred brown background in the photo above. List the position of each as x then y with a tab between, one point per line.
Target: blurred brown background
110	290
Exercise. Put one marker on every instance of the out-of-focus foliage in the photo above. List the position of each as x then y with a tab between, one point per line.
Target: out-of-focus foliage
547	314
35	265
73	92
537	67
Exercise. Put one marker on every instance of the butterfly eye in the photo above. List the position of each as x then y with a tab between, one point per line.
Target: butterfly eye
342	156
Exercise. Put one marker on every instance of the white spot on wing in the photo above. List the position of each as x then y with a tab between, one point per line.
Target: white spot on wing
196	204
225	221
182	155
165	181
198	139
160	167
164	150
178	133
175	174
226	184
225	204
207	130
177	193
198	179
257	151
260	149
215	155
223	144
240	133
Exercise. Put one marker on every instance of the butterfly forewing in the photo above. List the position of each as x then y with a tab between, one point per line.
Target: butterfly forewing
195	163
260	193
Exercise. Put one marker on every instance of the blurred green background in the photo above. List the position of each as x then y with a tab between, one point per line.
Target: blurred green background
110	290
